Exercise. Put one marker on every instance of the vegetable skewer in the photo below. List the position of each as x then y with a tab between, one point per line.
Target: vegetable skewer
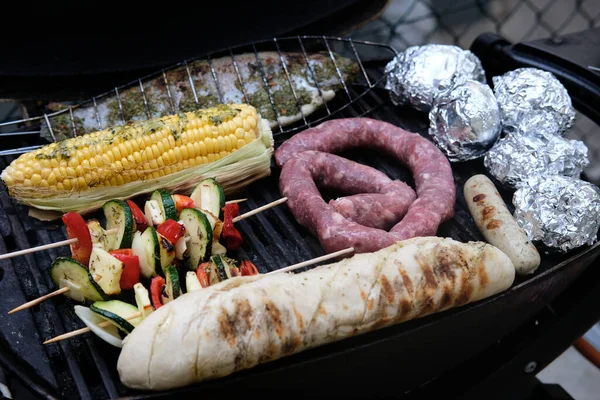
68	242
136	315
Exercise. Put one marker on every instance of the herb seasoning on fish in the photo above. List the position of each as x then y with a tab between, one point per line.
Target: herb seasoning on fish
157	93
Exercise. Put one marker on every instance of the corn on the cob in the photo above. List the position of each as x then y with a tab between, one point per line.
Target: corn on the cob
162	150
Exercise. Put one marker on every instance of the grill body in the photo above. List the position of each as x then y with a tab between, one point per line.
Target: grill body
401	360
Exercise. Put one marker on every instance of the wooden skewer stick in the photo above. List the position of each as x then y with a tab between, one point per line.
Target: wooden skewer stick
81	331
313	261
286	269
37	301
259	209
45	247
235	201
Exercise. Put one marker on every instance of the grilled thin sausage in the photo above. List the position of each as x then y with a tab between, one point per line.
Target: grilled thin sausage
246	321
497	224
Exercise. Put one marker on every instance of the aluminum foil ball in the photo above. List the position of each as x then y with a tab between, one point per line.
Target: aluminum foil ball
515	159
533	102
415	75
465	120
561	212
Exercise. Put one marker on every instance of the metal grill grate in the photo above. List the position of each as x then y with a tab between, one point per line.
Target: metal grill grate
85	367
332	47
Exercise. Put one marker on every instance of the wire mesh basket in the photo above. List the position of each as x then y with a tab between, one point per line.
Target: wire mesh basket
294	82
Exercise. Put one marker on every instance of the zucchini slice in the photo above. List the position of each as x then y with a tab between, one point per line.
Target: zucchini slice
191	281
173	286
216	225
153	250
198	229
67	269
142	299
118	215
109	269
209	196
109	334
221	267
74	290
117	313
167	251
165	203
224	266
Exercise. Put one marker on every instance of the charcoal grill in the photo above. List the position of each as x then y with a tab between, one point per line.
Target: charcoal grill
443	353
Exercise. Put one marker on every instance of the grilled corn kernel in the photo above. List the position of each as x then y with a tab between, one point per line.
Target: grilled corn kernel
142	150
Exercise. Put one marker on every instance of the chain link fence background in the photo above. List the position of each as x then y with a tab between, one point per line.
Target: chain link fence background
458	22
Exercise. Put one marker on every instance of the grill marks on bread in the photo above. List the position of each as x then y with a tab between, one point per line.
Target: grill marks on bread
237	326
444	279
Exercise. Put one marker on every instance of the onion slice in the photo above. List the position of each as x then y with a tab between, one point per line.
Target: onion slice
109	334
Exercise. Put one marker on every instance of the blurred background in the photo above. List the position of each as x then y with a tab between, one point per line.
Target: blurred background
407	23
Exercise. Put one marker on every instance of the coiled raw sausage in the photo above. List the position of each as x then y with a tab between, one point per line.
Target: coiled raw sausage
432	173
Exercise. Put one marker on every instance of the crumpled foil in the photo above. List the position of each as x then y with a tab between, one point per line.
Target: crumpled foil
515	159
416	74
533	102
465	120
561	212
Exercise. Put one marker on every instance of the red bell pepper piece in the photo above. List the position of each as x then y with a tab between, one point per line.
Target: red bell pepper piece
203	275
127	252
156	287
182	202
171	230
138	215
231	236
77	229
247	268
131	269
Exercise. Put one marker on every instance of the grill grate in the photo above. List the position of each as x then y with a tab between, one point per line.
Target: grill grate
330	46
85	367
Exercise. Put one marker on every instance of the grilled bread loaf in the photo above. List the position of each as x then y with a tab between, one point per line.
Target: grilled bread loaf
246	321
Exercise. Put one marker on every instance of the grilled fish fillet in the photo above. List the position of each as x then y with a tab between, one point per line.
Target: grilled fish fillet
180	96
246	321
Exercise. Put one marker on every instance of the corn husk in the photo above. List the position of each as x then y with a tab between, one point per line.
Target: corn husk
233	172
